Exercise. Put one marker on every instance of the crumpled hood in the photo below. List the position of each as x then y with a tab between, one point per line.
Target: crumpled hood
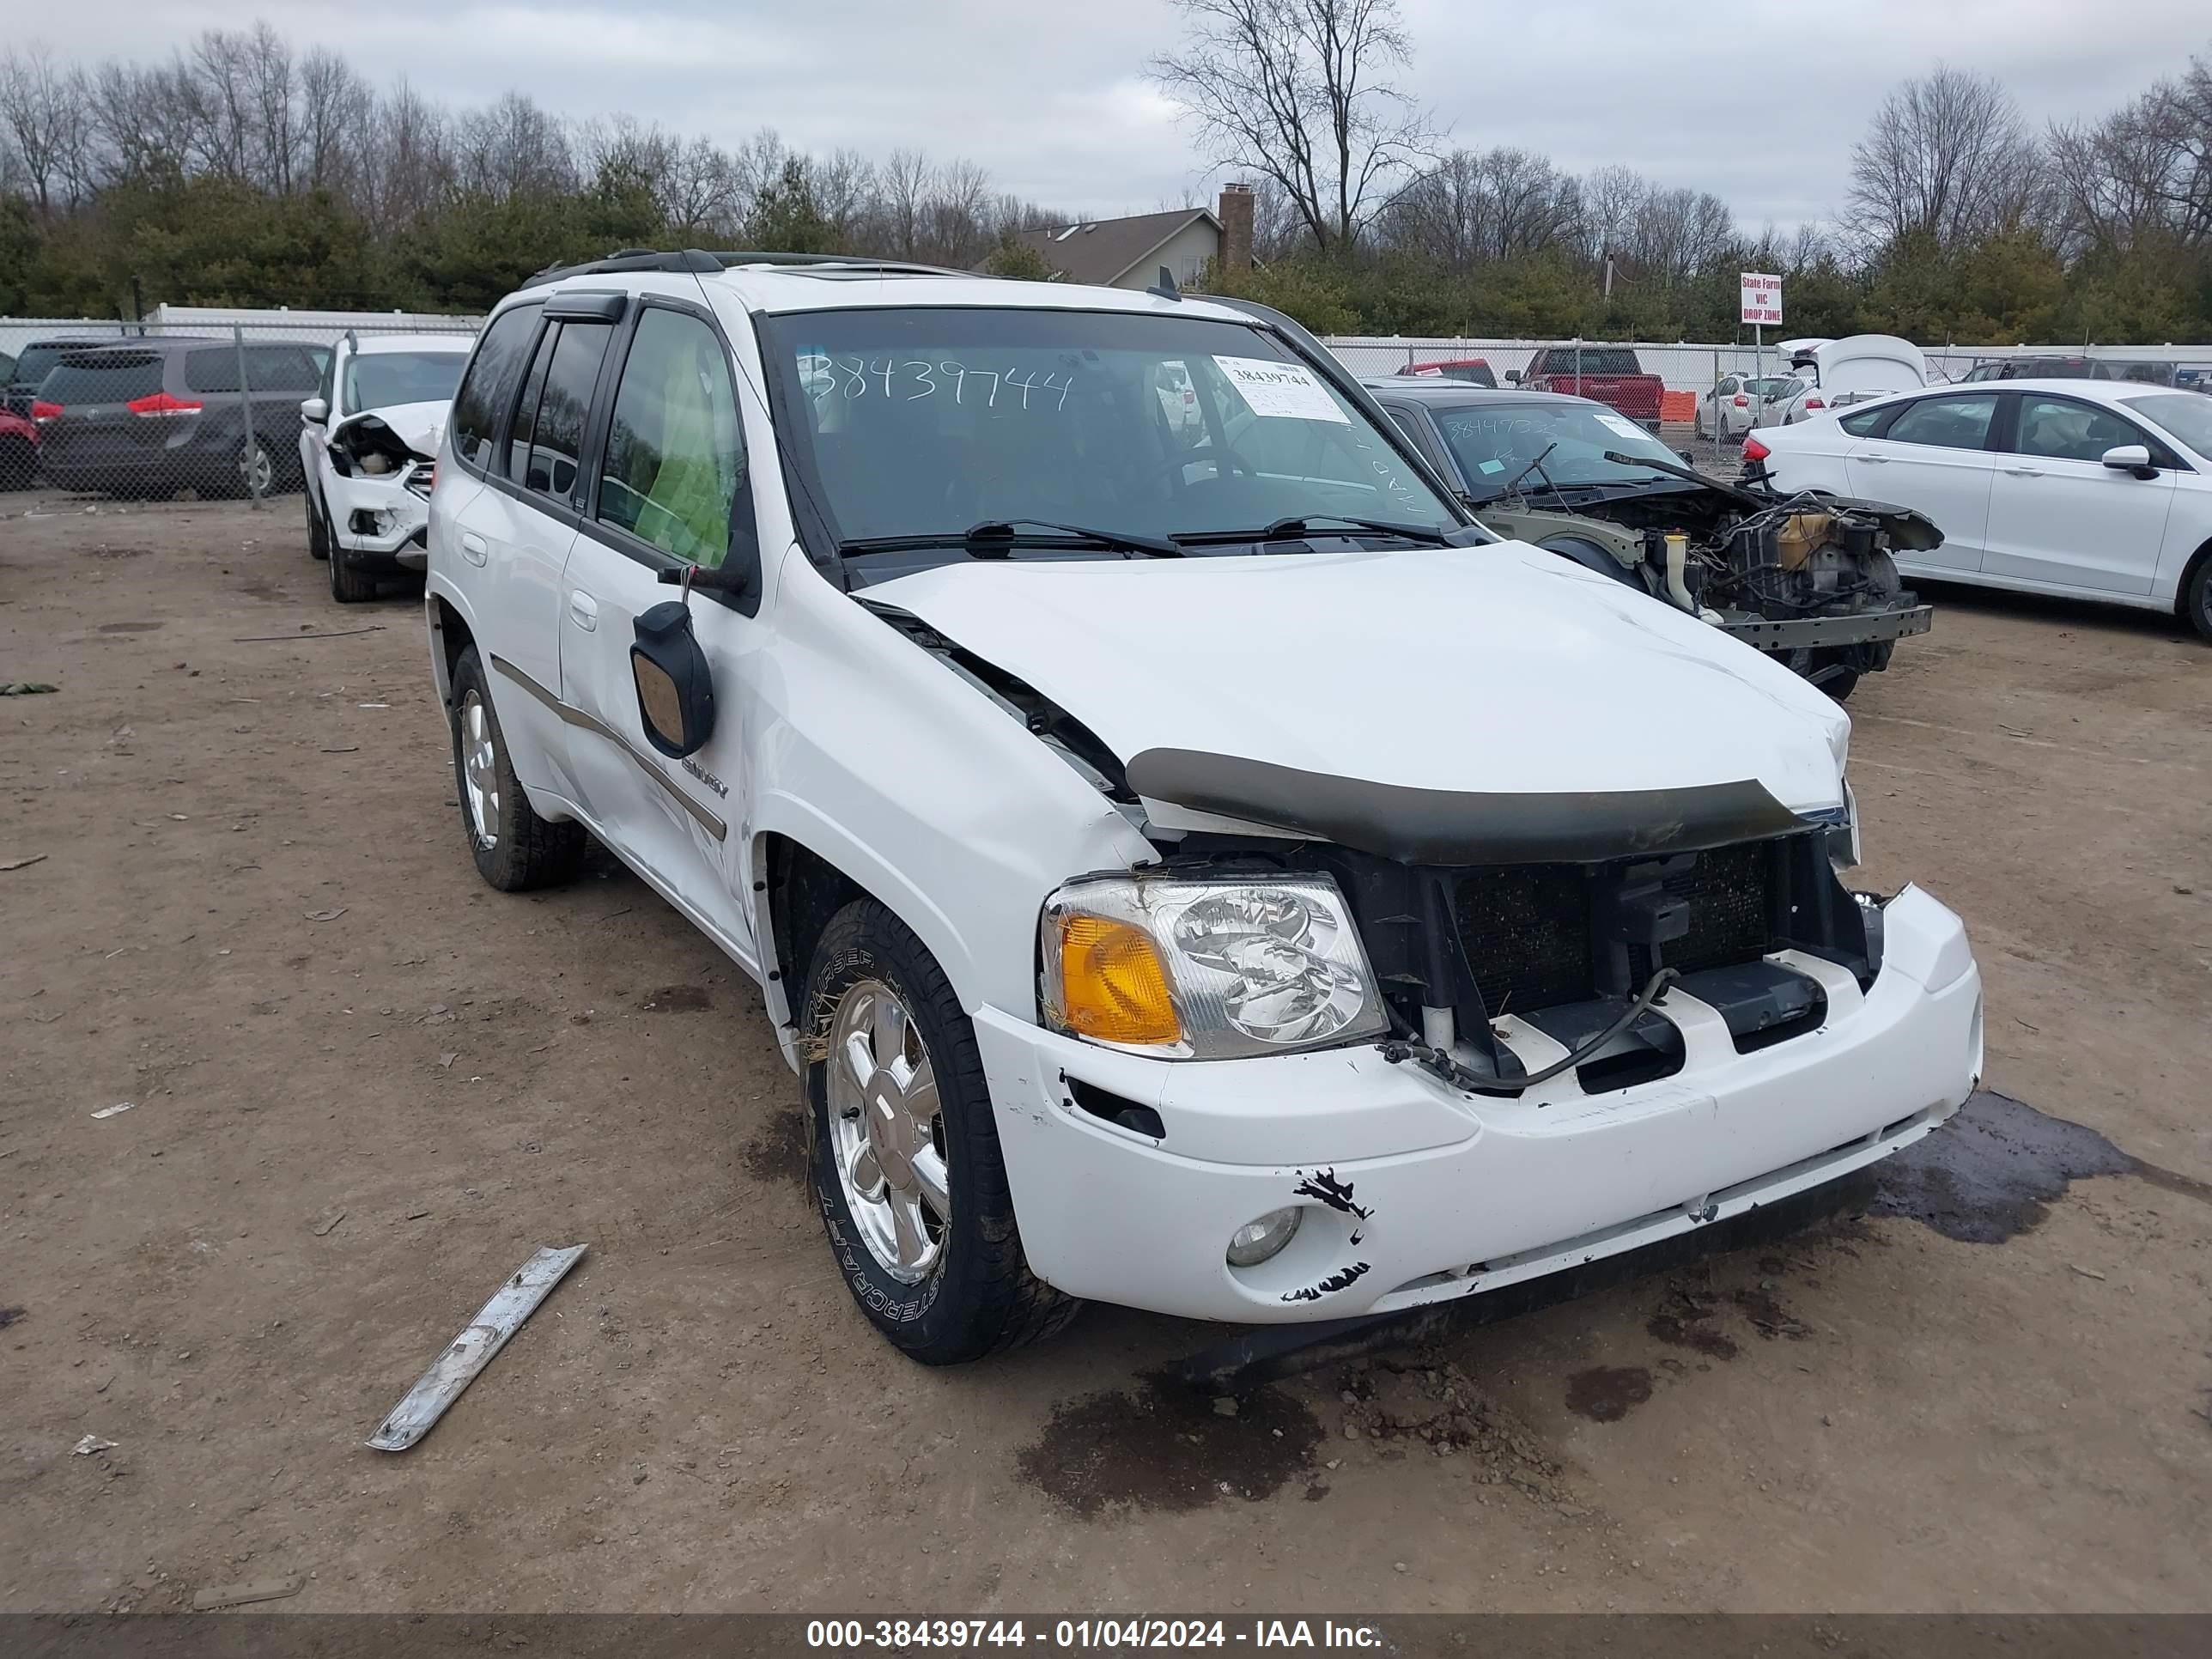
418	426
1497	669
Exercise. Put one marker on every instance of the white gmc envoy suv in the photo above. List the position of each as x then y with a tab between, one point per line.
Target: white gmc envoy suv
1190	863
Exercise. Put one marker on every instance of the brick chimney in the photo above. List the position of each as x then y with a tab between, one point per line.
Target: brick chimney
1236	216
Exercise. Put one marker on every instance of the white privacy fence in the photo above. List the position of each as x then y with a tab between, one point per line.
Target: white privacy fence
1687	365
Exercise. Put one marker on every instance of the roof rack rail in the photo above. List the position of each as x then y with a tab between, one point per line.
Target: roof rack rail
697	262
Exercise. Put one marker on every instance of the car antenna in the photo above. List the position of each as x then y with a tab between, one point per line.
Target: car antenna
1165	288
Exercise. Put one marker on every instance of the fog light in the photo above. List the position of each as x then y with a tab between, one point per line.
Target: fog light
1257	1240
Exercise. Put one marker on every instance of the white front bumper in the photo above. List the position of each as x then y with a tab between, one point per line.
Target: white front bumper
1461	1192
402	513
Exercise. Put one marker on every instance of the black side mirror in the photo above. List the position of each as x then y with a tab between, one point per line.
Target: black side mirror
675	690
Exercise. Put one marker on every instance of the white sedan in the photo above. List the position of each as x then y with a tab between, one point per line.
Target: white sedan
2092	489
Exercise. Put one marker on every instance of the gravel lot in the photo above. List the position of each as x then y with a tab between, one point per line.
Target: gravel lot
364	1087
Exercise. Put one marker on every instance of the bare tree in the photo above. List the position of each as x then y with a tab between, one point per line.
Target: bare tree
42	115
1473	209
904	180
2142	173
1297	91
1948	156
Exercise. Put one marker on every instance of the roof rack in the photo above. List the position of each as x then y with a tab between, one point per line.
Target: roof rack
698	262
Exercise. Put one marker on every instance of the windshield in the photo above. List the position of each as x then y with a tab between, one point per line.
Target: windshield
2186	415
926	422
380	380
1495	443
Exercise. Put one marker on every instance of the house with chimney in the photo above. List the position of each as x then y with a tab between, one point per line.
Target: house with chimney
1130	252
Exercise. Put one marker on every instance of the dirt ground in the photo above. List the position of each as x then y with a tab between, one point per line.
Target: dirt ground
365	1087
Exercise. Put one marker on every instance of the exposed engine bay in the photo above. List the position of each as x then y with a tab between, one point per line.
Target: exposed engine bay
1809	578
379	499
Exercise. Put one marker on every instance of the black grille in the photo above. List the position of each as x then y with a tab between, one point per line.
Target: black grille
1527	928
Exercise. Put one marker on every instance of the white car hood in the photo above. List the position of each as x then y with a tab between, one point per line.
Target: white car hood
1494	669
417	425
1870	363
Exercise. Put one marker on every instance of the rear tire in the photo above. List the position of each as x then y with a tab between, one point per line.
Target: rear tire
318	532
2197	597
970	1291
515	850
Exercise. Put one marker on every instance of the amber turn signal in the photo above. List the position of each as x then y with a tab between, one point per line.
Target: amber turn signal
1112	986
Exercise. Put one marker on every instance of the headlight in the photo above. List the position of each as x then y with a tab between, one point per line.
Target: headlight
1207	969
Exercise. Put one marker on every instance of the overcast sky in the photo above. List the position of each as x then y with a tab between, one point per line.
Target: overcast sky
1053	98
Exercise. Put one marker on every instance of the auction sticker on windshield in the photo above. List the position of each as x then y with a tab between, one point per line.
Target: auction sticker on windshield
1626	427
1281	390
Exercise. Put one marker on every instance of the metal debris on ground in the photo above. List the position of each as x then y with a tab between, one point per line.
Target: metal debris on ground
25	688
253	1589
120	1106
328	634
474	1348
91	1443
330	1219
23	863
325	915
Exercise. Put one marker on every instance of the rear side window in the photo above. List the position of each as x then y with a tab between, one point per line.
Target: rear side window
487	388
546	461
676	454
1864	423
109	380
212	370
1946	422
1595	361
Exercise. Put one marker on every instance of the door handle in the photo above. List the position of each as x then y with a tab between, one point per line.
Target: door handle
1873	460
2023	472
473	547
583	609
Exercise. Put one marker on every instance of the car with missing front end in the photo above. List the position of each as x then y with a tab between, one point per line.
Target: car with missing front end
1809	577
1207	873
368	446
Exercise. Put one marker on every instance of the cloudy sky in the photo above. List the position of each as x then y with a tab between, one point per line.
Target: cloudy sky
1758	100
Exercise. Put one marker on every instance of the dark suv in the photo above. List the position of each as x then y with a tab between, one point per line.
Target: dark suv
155	416
39	358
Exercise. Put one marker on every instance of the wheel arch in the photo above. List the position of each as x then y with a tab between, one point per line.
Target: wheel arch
450	635
2195	562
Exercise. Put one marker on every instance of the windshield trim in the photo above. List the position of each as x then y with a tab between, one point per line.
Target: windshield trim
775	331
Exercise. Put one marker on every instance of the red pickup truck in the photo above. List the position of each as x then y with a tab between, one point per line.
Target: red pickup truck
1609	375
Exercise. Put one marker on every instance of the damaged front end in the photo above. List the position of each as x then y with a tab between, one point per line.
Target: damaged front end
1810	580
378	492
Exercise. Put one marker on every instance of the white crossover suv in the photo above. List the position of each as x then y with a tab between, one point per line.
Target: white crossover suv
1216	877
367	439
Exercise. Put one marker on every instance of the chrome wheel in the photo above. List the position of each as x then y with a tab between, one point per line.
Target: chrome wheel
480	769
257	470
887	1135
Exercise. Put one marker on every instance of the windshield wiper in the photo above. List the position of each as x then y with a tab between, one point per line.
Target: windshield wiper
1298	528
994	539
1689	474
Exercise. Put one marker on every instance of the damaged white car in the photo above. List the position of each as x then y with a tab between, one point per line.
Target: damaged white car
1207	873
367	441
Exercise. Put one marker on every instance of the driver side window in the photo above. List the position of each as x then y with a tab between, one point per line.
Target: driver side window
675	467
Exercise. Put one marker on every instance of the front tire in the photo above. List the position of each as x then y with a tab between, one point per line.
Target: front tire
515	850
905	1163
349	584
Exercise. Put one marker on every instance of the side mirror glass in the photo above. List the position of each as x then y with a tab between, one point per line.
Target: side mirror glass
2131	458
1513	376
314	410
675	690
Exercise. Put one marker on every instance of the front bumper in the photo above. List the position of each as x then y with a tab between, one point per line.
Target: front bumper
378	520
1896	621
1415	1192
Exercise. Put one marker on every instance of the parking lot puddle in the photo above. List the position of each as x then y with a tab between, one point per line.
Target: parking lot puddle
1993	1171
1161	1446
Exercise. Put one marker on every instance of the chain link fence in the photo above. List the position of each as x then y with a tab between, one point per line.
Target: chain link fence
195	404
1707	377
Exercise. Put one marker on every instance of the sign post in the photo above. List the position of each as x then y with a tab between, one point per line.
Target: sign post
1761	304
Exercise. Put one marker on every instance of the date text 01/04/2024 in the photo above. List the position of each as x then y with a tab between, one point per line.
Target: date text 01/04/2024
1088	1633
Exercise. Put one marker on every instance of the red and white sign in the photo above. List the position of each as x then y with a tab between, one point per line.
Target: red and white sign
1762	298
